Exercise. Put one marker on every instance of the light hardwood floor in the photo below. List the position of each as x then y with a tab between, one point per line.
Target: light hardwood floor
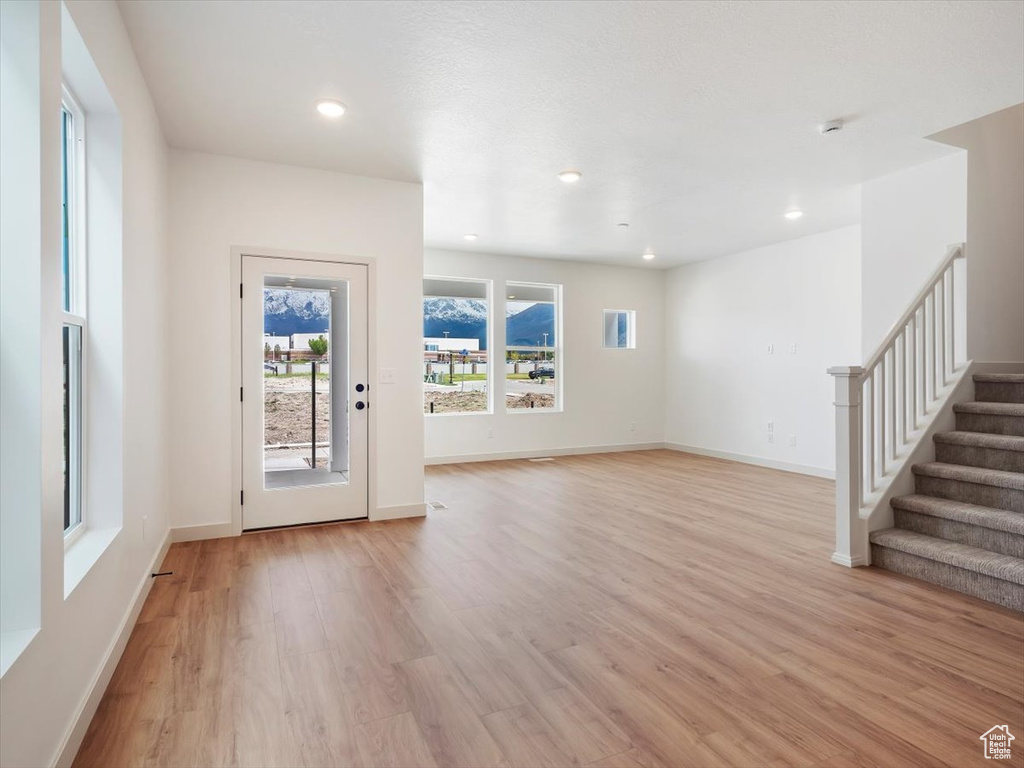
631	609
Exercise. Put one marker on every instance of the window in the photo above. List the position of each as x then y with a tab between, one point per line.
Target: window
532	353
456	335
73	304
619	329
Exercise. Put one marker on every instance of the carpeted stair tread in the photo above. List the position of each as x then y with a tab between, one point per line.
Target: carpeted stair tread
999	378
964	474
962	512
982	440
973	559
991	409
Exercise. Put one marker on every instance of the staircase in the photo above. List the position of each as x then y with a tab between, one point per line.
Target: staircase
963	528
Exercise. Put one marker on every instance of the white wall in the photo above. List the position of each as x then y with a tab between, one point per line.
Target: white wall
995	233
46	689
219	202
611	397
908	221
723	386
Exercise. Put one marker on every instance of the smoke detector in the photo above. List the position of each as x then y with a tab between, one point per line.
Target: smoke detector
830	127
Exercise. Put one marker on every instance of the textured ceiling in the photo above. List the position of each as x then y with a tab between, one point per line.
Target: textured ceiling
695	122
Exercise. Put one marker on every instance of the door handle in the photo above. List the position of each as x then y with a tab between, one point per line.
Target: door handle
360	405
360	387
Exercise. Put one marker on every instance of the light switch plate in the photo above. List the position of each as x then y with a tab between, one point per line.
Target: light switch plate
388	376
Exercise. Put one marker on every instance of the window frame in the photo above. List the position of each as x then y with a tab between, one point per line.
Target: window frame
630	328
557	349
74	291
490	336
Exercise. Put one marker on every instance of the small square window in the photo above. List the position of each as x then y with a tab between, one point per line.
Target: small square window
619	329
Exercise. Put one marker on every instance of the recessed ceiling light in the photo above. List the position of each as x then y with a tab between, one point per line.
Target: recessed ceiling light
570	176
623	224
511	295
648	256
793	215
330	108
470	236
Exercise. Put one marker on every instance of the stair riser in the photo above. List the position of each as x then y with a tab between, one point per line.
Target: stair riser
977	456
971	493
999	391
978	585
963	533
991	423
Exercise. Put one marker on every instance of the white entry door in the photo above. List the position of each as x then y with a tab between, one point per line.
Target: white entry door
305	392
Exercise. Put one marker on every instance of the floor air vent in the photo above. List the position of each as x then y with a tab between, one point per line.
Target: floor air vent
435	505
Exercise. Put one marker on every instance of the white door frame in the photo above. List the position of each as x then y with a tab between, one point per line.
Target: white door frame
237	252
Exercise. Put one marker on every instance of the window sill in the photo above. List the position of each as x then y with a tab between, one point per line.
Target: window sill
458	413
83	554
12	645
510	411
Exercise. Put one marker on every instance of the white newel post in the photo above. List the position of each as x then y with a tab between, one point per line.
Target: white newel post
851	531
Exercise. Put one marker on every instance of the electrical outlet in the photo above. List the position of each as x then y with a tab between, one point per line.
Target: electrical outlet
490	433
792	439
632	426
771	437
792	348
771	349
771	426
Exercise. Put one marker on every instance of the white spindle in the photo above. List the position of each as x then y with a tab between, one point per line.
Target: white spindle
941	296
952	319
871	434
908	387
891	426
881	418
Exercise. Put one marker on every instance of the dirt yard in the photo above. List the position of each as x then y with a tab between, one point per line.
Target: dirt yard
462	402
286	409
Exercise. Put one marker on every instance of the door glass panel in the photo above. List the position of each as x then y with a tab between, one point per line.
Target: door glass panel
305	381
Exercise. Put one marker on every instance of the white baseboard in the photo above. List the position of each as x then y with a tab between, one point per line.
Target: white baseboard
200	532
785	466
849	562
399	511
537	454
90	702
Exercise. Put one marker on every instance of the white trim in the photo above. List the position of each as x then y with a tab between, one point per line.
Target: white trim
849	562
201	532
537	454
72	740
399	511
235	264
785	466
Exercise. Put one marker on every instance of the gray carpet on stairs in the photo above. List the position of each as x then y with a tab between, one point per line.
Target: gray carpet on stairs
964	527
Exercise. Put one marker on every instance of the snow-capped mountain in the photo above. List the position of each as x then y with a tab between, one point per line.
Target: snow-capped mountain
525	325
461	318
287	311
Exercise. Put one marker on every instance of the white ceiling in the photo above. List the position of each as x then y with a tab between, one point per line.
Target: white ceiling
696	122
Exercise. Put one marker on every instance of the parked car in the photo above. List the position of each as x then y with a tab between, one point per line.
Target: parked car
546	372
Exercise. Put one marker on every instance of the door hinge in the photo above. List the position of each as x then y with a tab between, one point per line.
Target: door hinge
241	498
241	394
240	289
